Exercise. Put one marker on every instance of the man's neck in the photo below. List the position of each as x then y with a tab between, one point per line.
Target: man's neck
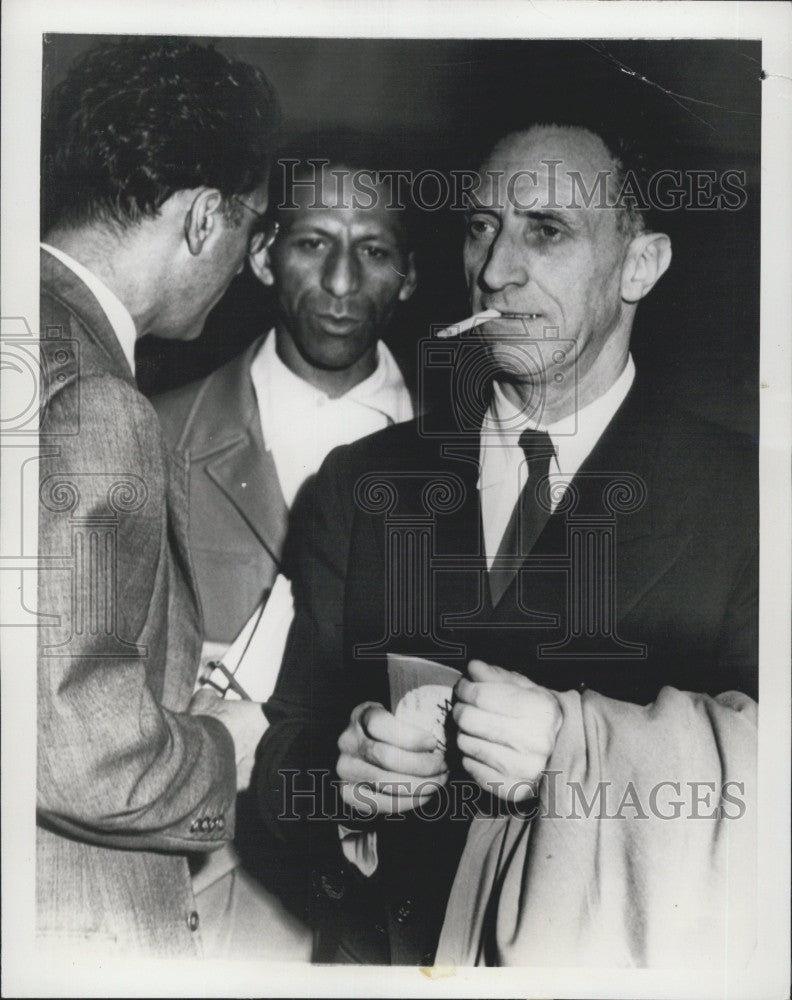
333	382
115	263
560	399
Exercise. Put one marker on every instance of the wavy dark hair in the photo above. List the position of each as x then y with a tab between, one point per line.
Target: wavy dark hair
134	122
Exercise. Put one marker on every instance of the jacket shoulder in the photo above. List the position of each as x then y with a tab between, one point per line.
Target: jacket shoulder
192	415
176	407
391	448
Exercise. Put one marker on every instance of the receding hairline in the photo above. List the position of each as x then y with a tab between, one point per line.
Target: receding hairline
602	154
596	144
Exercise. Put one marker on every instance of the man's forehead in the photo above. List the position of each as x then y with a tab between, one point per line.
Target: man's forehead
337	186
334	199
547	164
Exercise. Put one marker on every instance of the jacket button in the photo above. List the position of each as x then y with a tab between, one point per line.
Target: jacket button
221	822
404	911
195	826
582	686
193	921
205	825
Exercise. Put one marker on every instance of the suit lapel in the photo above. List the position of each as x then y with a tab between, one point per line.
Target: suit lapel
461	593
246	473
646	543
224	434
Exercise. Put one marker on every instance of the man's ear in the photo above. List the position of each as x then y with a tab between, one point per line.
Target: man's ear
261	266
647	260
410	281
202	218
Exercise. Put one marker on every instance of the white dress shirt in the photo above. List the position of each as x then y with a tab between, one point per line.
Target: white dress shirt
117	313
502	466
302	424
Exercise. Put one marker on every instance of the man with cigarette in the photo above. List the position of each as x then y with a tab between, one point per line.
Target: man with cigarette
155	162
588	549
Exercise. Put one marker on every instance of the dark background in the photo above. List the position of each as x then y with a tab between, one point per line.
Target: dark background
695	105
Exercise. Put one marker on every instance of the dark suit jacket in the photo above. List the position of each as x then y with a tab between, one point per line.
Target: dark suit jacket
238	517
677	581
126	783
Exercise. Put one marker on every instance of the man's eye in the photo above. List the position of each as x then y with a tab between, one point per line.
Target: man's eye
310	243
548	231
481	229
376	252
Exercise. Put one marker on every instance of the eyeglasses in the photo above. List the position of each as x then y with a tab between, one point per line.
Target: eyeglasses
264	231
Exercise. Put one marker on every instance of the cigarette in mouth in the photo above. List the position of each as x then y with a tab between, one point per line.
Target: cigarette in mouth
467	324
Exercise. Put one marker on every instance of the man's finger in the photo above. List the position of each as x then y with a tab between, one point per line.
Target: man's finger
537	704
478	670
388	757
493	727
500	758
367	802
412	762
353	768
386	728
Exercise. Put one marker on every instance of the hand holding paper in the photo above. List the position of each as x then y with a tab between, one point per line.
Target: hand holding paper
386	764
507	729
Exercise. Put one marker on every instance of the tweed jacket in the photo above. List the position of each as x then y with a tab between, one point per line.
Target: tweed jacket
127	784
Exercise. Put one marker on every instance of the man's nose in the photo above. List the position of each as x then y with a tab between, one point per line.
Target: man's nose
341	275
506	263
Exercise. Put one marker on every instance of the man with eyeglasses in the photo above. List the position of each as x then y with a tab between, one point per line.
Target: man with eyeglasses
260	426
144	231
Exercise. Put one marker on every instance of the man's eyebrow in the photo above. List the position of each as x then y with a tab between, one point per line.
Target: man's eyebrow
568	219
472	208
305	226
542	215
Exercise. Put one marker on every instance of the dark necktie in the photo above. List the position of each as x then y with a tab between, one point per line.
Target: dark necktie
528	517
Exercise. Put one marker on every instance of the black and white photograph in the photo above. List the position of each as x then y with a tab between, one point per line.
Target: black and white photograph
396	505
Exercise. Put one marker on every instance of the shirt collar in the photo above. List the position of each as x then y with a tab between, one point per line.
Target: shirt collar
117	313
279	391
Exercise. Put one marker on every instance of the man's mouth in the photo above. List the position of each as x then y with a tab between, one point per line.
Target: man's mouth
341	322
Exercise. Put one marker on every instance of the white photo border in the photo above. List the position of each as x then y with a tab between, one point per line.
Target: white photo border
24	24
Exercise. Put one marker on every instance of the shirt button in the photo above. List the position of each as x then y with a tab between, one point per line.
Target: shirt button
582	686
193	921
